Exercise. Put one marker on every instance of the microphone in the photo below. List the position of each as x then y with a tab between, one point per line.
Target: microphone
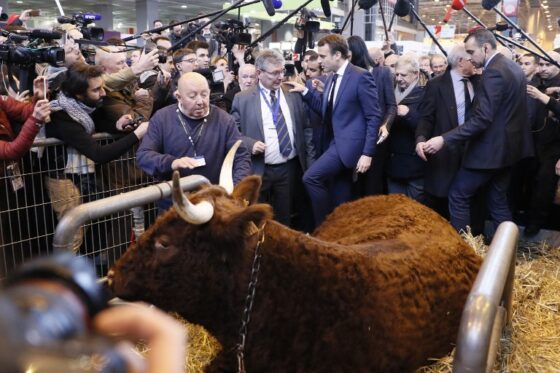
489	4
402	8
455	5
269	7
326	7
38	34
14	37
366	4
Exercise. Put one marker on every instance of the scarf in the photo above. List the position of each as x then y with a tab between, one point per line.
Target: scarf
399	96
76	163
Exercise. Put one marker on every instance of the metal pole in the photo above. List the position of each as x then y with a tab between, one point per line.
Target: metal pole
75	218
492	288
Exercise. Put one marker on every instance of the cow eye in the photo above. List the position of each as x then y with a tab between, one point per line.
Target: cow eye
161	245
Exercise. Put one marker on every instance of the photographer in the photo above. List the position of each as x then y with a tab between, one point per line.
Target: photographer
74	122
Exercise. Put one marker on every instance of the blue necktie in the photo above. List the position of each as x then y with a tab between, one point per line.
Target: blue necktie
284	141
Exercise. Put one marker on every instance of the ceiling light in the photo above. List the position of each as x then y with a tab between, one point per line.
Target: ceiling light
19	2
545	6
184	6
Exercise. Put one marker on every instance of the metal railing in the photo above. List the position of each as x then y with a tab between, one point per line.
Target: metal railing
31	206
73	220
488	307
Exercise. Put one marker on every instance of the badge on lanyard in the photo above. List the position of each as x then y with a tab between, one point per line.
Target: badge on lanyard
14	174
199	161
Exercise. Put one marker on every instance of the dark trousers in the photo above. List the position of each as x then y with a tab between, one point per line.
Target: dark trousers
328	183
544	190
465	186
477	209
278	182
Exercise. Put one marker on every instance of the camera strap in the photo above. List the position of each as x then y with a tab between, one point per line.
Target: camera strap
193	139
274	109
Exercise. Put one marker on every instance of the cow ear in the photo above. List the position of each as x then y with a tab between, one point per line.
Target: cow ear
251	219
248	189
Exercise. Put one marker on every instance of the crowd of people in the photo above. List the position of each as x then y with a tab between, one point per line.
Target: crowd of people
473	135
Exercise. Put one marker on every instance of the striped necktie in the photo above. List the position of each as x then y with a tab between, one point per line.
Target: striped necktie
284	141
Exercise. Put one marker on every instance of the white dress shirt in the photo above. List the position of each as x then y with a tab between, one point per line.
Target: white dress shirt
340	73
459	90
272	153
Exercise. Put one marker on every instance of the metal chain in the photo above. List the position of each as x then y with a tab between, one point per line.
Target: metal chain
249	304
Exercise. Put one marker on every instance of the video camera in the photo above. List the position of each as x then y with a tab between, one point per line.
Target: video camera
215	80
14	52
308	21
46	310
82	20
231	32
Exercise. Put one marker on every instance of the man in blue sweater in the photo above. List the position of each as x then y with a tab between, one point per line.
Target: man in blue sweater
192	137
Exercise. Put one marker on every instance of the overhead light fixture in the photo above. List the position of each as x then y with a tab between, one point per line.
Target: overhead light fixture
119	25
19	2
184	6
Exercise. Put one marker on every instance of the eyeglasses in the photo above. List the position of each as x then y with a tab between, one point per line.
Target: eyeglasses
189	60
275	73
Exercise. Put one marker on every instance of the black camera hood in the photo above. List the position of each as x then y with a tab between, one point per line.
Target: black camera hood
76	273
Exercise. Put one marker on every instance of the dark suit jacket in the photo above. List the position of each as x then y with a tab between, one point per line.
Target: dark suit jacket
439	115
246	110
403	161
385	94
356	115
497	134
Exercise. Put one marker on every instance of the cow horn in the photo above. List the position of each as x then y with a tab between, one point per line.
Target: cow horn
197	214
226	174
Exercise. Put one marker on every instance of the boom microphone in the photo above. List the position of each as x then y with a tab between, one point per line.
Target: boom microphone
366	4
326	8
455	5
269	7
489	4
402	8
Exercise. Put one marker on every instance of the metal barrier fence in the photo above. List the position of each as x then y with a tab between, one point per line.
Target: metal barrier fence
488	307
36	192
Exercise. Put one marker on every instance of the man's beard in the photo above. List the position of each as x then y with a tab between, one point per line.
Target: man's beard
93	103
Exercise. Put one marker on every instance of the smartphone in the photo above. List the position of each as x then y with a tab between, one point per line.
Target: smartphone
217	76
34	13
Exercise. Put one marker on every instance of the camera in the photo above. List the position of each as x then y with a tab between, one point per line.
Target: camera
308	21
24	56
215	80
45	316
82	20
231	32
162	54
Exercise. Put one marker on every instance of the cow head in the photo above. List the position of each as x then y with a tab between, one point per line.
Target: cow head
196	251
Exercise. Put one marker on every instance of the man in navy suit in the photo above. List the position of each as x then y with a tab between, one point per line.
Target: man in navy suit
351	116
496	133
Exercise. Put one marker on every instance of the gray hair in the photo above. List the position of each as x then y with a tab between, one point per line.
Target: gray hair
456	53
268	57
409	61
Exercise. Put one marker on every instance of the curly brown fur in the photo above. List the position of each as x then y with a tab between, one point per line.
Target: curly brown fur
380	287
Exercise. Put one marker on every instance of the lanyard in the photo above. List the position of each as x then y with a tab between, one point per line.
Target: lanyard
274	110
188	133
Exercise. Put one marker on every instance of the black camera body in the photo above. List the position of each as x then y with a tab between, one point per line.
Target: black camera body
215	80
232	32
25	56
45	316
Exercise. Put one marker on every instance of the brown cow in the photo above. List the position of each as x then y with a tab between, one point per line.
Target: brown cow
380	288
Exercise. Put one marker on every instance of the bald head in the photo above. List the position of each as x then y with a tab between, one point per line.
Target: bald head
247	76
193	95
376	55
111	59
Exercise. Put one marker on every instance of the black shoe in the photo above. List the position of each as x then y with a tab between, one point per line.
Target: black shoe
531	230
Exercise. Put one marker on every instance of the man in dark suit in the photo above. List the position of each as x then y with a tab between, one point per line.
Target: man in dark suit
275	128
444	107
351	115
495	133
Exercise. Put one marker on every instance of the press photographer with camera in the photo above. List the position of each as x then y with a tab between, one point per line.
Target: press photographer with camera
55	317
74	120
